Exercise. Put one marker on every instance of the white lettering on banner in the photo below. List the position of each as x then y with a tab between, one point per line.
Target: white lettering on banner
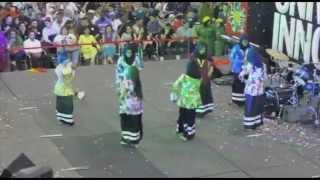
275	36
315	45
299	39
286	35
318	13
292	8
303	41
309	14
282	7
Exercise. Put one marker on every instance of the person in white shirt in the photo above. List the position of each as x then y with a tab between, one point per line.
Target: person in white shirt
116	22
60	21
71	9
49	32
50	10
35	53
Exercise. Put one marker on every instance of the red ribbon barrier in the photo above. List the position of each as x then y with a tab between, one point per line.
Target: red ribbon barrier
102	43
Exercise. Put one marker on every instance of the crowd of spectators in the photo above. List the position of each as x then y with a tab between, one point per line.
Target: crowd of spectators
49	25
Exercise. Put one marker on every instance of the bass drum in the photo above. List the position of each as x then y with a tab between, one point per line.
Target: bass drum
276	97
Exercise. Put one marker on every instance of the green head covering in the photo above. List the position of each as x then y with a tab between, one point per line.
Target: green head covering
201	50
132	73
128	54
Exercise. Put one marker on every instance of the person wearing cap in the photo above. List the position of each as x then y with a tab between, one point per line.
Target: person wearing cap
206	33
237	58
219	44
64	91
254	89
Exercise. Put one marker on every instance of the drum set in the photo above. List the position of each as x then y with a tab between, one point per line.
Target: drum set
289	83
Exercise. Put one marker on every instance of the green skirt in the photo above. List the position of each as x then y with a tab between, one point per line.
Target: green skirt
64	108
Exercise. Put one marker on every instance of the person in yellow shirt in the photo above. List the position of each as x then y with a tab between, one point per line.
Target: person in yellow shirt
90	49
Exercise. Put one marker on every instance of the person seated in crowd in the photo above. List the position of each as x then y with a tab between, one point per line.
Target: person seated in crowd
139	33
116	22
48	34
3	52
30	12
7	24
16	54
127	36
73	51
22	31
183	33
166	34
14	11
35	54
153	26
60	20
15	23
149	47
49	31
177	22
103	21
60	40
35	27
108	49
90	49
85	22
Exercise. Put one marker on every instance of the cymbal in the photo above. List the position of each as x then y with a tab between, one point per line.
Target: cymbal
276	55
284	64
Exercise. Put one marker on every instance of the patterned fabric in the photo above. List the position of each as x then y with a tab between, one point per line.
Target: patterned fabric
236	57
254	83
187	90
121	67
129	102
65	74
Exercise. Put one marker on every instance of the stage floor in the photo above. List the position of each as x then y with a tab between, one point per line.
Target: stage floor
220	148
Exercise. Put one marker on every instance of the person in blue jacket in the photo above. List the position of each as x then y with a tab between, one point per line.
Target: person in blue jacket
237	58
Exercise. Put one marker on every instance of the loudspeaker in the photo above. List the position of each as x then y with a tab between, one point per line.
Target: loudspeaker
22	167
